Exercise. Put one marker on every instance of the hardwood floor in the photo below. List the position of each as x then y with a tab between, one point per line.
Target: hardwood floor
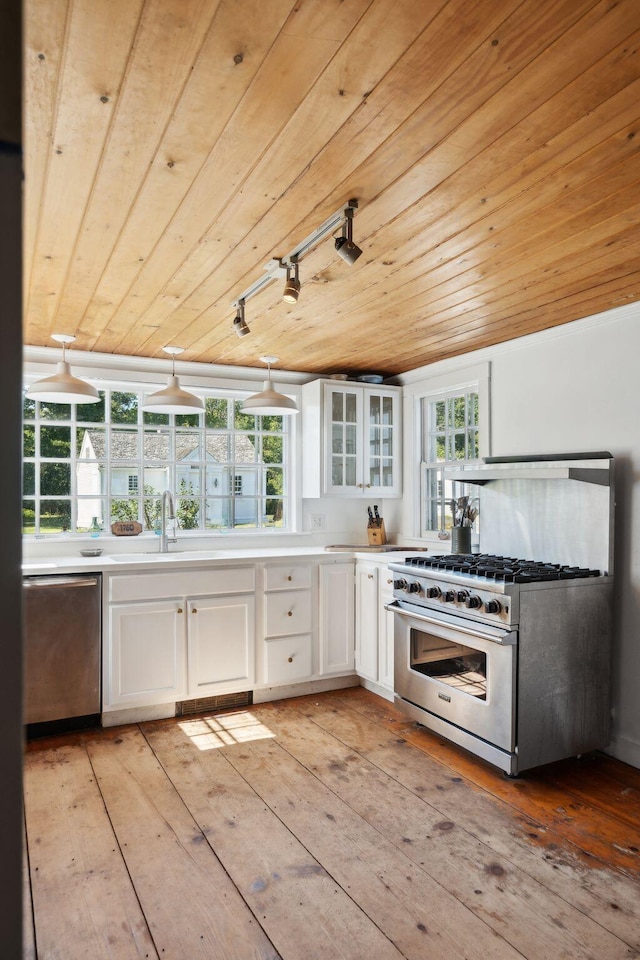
323	827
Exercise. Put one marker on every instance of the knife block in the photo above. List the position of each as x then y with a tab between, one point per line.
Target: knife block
376	534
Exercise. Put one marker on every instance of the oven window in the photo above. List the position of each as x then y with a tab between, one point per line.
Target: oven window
454	664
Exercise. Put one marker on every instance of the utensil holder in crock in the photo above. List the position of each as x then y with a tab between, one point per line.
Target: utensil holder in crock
461	540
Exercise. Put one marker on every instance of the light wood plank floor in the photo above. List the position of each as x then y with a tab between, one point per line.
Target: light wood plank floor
323	827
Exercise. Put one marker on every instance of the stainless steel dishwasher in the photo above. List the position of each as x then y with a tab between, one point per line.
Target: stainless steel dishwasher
62	637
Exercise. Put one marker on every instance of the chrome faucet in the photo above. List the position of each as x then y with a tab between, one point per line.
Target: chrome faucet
165	540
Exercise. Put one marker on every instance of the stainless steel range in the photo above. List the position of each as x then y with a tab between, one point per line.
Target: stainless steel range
510	657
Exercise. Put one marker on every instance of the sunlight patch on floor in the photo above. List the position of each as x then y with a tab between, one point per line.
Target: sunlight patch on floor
209	733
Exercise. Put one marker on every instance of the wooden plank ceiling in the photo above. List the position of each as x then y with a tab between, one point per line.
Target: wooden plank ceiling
173	147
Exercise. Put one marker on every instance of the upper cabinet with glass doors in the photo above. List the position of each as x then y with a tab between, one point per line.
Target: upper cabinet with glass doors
351	440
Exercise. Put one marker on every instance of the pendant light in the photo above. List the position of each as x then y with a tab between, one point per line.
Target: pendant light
173	399
269	401
63	387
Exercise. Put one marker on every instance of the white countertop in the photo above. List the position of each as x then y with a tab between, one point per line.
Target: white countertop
143	560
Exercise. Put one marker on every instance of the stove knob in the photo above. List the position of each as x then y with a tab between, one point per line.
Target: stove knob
399	584
449	596
433	592
493	606
415	587
473	602
462	595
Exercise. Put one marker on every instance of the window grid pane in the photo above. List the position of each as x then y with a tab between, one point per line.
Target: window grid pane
225	469
451	440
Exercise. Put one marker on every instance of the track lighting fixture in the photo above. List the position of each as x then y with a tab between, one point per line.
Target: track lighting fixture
240	325
345	247
173	399
63	387
269	401
292	285
288	266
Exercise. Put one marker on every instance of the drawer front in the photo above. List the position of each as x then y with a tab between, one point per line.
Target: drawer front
290	577
181	583
287	613
287	660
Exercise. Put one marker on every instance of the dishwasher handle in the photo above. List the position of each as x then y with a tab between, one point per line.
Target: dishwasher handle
72	581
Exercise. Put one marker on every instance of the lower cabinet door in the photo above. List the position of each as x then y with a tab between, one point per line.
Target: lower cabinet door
221	645
287	659
386	623
146	653
367	620
336	618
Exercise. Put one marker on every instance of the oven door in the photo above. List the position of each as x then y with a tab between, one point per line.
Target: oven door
457	670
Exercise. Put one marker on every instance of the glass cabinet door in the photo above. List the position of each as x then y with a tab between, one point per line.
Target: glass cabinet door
344	409
362	436
382	426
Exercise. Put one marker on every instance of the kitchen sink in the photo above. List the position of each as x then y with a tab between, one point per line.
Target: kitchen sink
155	555
139	557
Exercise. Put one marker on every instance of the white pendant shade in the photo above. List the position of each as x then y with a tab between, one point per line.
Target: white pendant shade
63	387
173	399
269	402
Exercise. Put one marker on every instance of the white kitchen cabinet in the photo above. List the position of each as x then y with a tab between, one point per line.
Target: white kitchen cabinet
385	628
308	622
220	645
146	653
374	626
352	440
178	636
367	620
337	621
192	634
289	619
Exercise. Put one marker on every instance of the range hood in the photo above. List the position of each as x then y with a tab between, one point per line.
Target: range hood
557	508
586	467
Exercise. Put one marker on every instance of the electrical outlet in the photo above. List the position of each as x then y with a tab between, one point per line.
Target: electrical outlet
317	521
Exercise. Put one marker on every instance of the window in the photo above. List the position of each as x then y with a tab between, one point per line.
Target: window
112	461
451	438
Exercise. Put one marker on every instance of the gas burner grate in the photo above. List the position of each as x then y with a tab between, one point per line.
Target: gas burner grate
502	569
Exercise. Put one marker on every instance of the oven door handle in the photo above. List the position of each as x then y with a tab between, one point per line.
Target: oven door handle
505	638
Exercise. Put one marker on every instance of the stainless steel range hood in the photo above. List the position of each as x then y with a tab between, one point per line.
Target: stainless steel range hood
586	467
557	508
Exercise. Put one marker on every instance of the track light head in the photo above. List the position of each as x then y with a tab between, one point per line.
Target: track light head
345	247
240	325
292	284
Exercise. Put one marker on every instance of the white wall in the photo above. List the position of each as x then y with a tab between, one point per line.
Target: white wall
571	389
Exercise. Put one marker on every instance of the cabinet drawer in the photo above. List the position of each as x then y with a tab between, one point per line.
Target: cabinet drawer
287	613
180	583
287	659
287	578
